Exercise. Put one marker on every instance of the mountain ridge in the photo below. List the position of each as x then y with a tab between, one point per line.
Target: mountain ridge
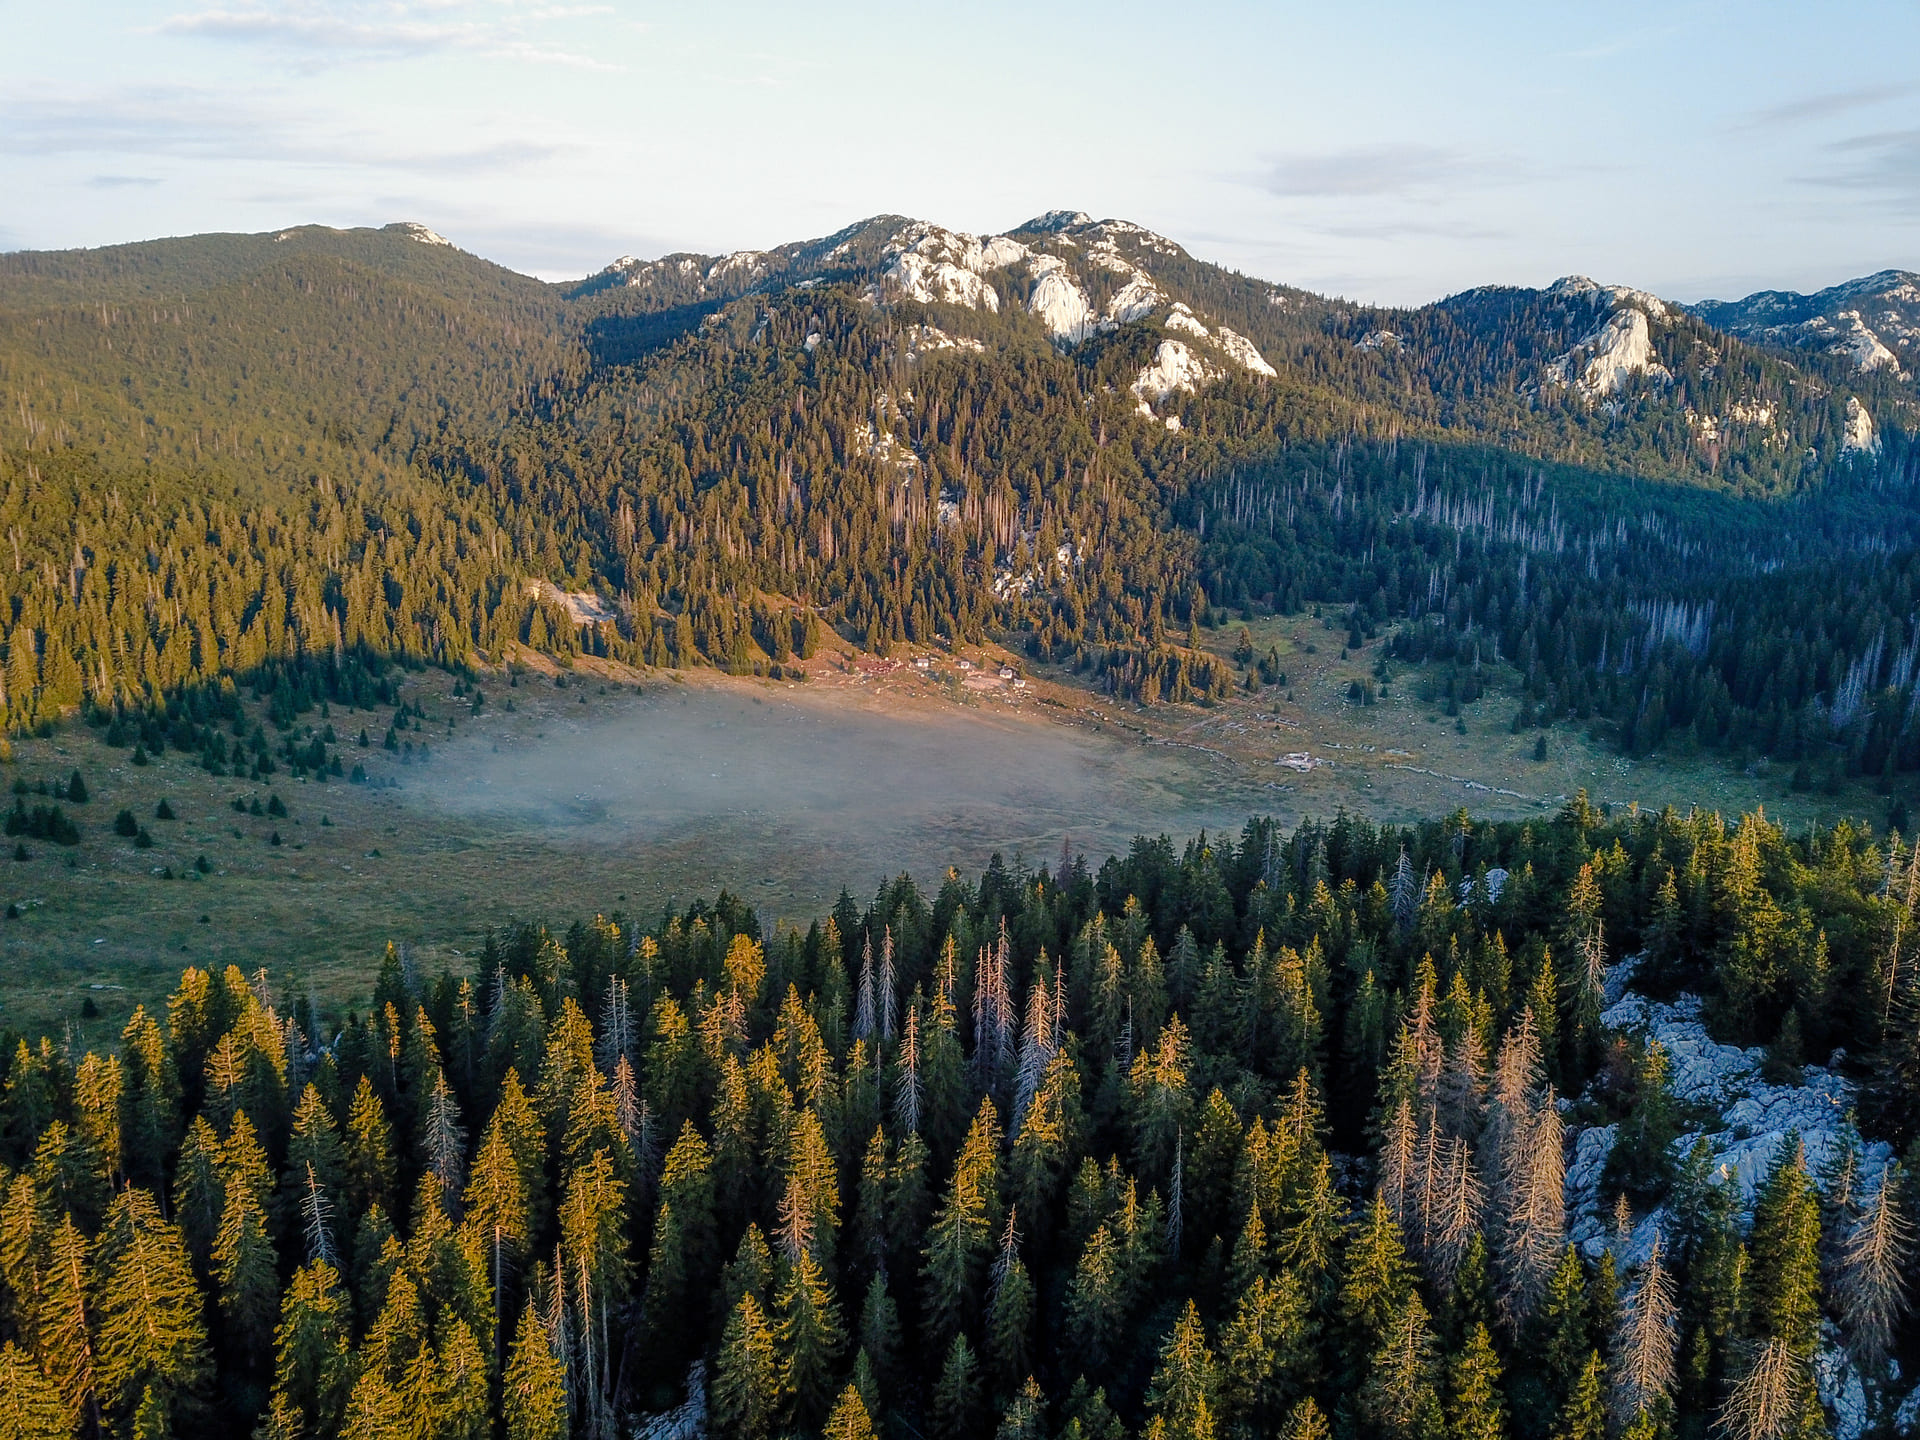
1074	437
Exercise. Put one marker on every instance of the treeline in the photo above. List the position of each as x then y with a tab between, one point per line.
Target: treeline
1238	1139
225	452
1669	618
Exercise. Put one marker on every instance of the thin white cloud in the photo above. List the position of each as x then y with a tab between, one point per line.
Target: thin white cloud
1393	169
1884	165
1826	105
190	124
318	32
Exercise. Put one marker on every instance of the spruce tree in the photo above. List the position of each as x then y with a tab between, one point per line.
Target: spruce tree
747	1383
497	1210
151	1345
1375	1283
810	1340
1025	1417
1871	1286
956	1394
1306	1422
880	1330
1010	1316
1400	1395
369	1151
1774	1394
1475	1407
1264	1351
849	1420
1182	1398
1096	1303
313	1359
199	1189
60	1321
244	1268
963	1232
1584	1415
1560	1328
30	1404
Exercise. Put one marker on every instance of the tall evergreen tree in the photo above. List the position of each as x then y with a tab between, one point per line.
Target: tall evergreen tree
151	1345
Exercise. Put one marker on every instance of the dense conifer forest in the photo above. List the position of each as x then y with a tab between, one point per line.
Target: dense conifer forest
326	448
1253	1136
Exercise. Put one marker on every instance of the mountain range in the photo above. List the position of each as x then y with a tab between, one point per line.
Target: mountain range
1073	435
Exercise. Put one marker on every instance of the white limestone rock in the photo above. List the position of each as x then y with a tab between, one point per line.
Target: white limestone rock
1841	1388
1175	367
1860	437
933	265
1061	305
1580	287
414	230
1135	300
1906	1419
1243	352
1615	351
1754	1118
1181	318
924	339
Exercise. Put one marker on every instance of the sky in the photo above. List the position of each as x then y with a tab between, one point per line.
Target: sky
1388	152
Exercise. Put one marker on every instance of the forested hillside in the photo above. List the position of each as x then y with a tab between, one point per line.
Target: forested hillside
318	445
1266	1136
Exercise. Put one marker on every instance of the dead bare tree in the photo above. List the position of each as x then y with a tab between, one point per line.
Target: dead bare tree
1870	1290
1645	1341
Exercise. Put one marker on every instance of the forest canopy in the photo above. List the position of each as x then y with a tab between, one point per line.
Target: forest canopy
233	452
1257	1135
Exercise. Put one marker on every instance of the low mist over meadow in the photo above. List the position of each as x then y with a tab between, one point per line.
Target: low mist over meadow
813	792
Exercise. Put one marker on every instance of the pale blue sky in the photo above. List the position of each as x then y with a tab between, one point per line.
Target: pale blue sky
1387	151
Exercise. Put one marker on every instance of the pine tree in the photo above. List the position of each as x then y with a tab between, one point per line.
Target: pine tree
313	1362
151	1346
849	1420
956	1394
1475	1409
747	1383
1182	1396
810	1339
1399	1397
1584	1415
30	1404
